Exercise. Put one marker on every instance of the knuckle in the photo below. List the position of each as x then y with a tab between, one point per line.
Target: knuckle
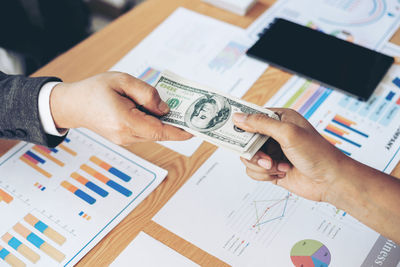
259	117
123	78
290	132
119	133
151	95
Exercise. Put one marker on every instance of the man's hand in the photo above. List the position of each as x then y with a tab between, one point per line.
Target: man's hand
112	104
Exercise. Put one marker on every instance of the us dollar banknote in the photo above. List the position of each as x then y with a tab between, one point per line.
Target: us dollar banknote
207	114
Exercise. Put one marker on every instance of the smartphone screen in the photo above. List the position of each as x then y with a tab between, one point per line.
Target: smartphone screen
321	57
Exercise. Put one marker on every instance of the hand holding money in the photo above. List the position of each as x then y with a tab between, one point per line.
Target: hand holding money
208	114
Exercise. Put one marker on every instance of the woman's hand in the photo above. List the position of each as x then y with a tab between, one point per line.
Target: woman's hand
296	156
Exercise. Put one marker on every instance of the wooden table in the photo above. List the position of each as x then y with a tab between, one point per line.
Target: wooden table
100	52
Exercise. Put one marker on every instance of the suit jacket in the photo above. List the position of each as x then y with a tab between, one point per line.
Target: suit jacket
19	111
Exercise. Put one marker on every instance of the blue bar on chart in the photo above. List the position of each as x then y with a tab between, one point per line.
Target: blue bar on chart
346	123
77	192
318	103
391	113
339	133
119	188
33	160
92	186
390	96
396	81
39	242
36	157
110	168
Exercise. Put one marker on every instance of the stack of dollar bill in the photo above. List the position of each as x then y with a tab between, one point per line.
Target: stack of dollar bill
207	114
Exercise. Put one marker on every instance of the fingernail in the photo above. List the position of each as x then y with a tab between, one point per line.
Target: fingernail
240	117
163	107
266	164
283	167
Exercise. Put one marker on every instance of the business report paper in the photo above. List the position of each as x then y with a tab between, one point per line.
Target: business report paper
199	48
370	23
145	251
57	204
366	131
248	223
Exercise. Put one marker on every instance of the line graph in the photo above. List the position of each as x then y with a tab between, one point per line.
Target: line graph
260	219
262	213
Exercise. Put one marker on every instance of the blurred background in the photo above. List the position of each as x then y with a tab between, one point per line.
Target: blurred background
34	32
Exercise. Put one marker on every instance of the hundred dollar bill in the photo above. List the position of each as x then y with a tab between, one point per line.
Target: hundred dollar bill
207	114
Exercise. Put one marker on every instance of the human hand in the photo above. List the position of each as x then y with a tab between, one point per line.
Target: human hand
110	104
297	157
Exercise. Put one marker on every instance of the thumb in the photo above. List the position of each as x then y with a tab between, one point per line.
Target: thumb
262	124
142	93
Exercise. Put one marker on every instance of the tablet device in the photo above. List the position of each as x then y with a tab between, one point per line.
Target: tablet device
333	62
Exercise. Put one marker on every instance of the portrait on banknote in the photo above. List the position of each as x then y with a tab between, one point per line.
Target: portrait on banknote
208	113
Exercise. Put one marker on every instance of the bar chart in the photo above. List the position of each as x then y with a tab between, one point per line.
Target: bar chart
39	242
308	98
10	258
19	246
228	56
45	229
60	202
34	161
149	75
38	157
78	192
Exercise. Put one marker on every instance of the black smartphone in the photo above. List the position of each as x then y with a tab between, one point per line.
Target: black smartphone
333	62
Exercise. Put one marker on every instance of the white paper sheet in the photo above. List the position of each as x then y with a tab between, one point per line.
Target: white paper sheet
83	214
248	223
370	23
145	251
199	48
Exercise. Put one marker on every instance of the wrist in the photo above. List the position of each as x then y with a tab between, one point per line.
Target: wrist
60	103
346	185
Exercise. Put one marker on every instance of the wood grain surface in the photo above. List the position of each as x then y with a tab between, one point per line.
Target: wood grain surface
100	52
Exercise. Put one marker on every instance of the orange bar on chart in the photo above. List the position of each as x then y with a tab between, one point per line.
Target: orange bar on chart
4	196
34	166
45	229
336	130
10	258
21	247
47	155
95	173
331	140
67	149
311	89
101	163
343	120
39	242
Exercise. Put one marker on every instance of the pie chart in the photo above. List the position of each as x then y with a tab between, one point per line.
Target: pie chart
310	253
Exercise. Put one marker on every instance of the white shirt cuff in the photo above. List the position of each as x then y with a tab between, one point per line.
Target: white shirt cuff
45	112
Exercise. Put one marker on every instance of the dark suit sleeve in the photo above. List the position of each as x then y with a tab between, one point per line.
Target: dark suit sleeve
19	111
